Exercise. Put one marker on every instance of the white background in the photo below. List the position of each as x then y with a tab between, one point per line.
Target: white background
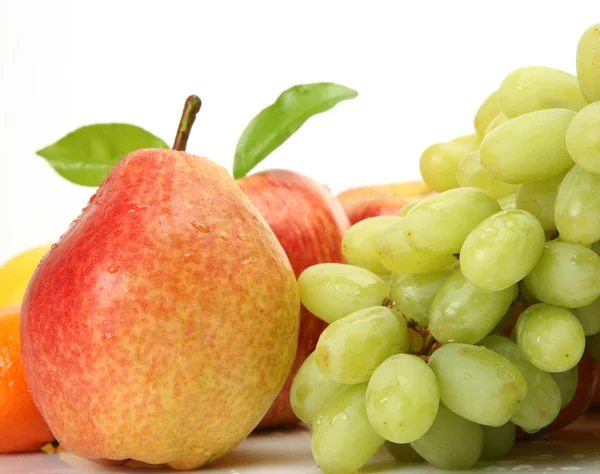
421	68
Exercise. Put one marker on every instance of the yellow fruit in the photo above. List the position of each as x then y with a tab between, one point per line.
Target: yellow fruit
15	275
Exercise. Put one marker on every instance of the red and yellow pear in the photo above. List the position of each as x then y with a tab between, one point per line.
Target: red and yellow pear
165	322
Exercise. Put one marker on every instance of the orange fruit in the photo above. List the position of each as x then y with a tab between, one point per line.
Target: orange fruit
22	428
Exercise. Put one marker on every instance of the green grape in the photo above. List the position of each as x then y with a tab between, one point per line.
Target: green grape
486	113
333	290
452	442
566	275
538	198
583	138
496	122
592	345
589	317
439	162
397	256
413	294
542	404
588	63
577	211
471	139
462	312
343	440
551	338
502	249
529	147
478	384
311	390
536	88
497	441
457	211
508	202
403	453
567	383
470	173
406	208
359	244
402	398
350	349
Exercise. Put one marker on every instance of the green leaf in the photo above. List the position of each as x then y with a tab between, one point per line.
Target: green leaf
278	122
86	155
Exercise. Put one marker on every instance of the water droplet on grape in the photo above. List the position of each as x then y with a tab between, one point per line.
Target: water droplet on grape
223	235
242	237
53	246
187	256
114	268
201	227
108	335
467	376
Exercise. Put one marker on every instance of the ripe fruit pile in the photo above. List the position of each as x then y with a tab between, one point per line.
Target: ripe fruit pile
466	315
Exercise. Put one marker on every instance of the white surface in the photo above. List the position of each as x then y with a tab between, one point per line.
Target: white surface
421	68
288	452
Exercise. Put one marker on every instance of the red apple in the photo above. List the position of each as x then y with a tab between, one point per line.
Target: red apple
309	223
385	199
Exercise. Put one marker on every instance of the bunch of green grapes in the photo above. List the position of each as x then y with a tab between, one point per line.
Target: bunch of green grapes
465	316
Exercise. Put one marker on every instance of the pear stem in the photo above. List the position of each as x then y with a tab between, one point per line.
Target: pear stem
190	110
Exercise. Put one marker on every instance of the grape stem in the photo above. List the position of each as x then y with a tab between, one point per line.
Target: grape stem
430	345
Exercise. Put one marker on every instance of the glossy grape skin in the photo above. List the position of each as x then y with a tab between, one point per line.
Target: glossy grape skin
439	162
402	398
397	256
406	208
478	384
543	401
533	88
451	443
567	383
566	275
311	390
497	441
589	317
470	173
508	202
583	138
529	147
577	211
462	312
350	349
588	63
472	139
496	122
343	440
539	198
551	338
359	245
501	250
333	290
414	294
457	211
487	111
